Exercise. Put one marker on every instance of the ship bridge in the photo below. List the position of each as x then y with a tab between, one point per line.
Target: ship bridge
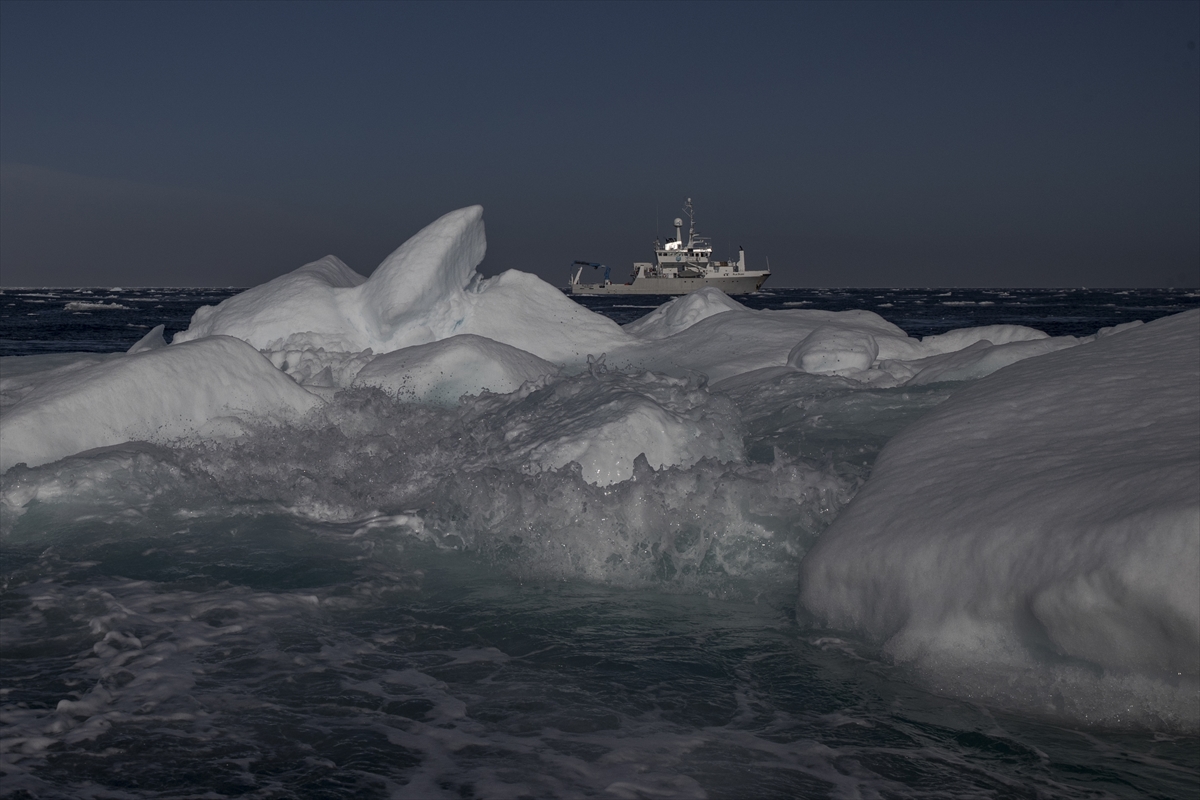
677	258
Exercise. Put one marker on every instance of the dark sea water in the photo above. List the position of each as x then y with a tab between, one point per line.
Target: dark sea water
60	320
374	609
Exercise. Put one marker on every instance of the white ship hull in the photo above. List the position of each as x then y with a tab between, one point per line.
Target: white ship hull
729	284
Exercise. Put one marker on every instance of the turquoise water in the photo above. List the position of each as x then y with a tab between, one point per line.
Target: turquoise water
278	659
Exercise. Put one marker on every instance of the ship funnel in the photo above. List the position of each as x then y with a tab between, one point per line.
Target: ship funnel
741	258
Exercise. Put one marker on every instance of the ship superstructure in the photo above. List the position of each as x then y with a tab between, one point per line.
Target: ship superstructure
679	267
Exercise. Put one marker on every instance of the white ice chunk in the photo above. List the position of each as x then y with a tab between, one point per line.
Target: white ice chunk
983	358
420	292
960	338
426	291
307	300
603	420
524	311
156	396
78	306
741	340
319	367
835	350
442	372
151	341
1049	511
682	313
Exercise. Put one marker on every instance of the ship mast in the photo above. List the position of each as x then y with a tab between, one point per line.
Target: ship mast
687	209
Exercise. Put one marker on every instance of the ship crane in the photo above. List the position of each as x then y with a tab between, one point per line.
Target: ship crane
582	264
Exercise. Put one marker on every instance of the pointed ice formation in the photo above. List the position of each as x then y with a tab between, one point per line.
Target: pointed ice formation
426	291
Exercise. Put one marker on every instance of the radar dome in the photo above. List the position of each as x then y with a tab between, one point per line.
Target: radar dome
678	222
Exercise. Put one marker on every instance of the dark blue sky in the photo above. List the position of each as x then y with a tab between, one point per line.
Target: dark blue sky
893	144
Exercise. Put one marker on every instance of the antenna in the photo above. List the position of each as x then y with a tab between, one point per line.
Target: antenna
687	209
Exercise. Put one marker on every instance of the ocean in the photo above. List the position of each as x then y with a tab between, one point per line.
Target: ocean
389	606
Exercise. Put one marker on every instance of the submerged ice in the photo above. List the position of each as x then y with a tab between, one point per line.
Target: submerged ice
1043	520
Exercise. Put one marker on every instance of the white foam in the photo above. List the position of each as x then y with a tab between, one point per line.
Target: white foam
616	477
604	421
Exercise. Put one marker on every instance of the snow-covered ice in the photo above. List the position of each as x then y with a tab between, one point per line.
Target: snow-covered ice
1048	514
158	395
426	291
427	327
429	290
441	372
682	313
1041	522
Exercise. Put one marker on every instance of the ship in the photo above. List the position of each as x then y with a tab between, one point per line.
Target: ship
678	268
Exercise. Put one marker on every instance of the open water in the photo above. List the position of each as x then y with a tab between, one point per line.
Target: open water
384	607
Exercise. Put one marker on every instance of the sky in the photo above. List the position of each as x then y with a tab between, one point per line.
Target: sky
850	144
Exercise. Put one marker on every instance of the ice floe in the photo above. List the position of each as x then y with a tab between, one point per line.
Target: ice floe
1039	527
1047	514
427	327
155	396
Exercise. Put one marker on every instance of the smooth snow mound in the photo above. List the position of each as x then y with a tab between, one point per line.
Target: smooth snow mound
682	313
310	299
157	396
22	375
835	350
439	373
1047	516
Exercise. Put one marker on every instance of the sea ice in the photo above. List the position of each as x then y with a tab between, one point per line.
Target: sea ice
309	299
682	313
442	372
20	375
151	341
158	395
835	350
427	327
426	291
740	340
604	420
1047	515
